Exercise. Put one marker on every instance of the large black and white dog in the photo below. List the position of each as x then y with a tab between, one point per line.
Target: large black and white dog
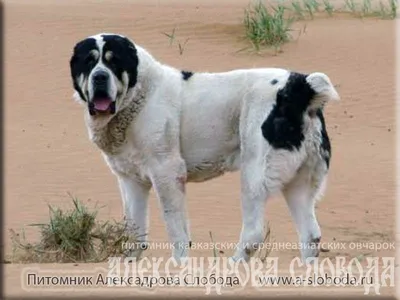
160	127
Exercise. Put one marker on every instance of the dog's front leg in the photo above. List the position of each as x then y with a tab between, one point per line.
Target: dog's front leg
135	204
169	179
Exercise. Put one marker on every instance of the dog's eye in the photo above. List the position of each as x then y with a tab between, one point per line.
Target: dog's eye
115	58
89	59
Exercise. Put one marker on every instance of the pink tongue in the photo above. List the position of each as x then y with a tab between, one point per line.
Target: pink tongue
102	104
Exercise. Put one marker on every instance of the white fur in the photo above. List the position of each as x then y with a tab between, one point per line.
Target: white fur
198	129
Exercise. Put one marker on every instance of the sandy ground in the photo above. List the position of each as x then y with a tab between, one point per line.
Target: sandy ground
47	152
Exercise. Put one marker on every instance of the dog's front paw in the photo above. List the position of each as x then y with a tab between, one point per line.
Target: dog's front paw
180	251
311	250
136	251
238	258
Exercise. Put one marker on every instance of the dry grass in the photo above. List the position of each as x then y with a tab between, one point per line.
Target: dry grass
71	236
172	37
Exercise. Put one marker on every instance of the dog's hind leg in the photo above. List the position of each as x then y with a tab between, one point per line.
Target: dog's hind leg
253	199
301	195
254	192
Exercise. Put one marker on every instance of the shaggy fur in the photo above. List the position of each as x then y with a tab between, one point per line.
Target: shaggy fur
161	127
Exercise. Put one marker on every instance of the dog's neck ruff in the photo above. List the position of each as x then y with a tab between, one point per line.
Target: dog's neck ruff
111	136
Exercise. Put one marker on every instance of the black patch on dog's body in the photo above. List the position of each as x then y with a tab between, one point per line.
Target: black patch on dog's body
124	58
186	75
283	128
82	62
274	81
325	142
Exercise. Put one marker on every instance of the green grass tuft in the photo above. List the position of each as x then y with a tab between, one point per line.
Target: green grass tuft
393	9
267	27
351	6
366	8
311	6
298	10
388	12
329	8
271	26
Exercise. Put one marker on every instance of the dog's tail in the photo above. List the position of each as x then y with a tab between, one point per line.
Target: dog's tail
323	88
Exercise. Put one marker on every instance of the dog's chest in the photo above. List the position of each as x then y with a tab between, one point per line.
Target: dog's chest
127	163
112	138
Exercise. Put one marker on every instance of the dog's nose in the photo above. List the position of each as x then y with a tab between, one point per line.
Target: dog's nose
100	77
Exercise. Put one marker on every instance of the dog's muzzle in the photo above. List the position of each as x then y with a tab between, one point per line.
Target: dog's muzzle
101	101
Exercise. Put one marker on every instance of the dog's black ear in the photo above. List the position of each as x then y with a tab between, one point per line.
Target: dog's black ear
79	90
78	64
74	69
126	54
132	61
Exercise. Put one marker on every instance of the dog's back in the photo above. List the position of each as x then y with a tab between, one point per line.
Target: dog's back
250	104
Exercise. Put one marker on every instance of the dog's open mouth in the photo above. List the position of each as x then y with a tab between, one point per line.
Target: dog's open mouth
102	105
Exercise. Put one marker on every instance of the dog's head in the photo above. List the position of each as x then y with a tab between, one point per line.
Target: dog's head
104	71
